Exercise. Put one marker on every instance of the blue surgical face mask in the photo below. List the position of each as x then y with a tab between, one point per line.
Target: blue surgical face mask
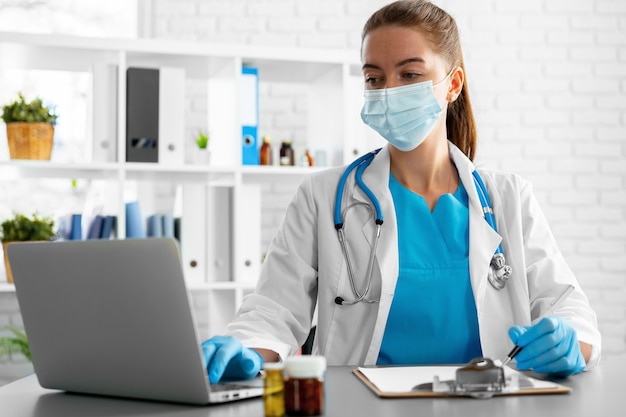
403	115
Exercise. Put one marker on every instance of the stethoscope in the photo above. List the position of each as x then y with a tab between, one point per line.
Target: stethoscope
498	274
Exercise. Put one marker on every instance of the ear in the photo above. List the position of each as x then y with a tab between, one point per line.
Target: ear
456	84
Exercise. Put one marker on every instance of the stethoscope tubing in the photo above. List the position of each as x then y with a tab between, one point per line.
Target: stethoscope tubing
363	162
485	202
360	164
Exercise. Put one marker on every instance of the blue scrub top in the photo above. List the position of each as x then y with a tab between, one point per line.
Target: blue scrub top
433	314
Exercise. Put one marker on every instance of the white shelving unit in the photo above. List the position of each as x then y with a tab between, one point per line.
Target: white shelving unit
217	202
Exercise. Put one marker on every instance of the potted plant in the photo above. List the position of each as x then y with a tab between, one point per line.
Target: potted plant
21	228
202	154
30	128
18	343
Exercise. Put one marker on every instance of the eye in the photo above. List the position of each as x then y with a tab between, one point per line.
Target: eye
373	82
411	76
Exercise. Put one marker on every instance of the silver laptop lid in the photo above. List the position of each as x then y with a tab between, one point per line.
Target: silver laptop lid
110	317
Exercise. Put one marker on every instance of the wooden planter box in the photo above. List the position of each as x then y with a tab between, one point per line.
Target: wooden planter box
30	140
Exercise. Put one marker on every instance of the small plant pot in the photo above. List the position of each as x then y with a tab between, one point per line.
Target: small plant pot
30	140
201	156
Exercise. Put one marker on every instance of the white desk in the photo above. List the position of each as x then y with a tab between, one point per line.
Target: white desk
596	393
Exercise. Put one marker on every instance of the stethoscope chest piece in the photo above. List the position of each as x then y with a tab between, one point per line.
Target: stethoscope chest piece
499	272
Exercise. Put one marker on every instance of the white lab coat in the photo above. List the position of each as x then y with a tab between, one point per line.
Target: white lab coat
305	268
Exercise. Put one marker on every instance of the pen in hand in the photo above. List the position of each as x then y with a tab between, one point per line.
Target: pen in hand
553	306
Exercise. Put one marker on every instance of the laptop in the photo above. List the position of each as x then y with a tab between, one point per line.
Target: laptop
114	318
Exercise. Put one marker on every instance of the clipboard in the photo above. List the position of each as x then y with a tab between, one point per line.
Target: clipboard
413	382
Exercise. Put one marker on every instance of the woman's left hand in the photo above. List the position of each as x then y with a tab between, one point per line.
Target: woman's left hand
549	346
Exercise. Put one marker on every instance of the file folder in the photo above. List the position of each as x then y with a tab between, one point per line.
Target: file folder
247	233
171	116
104	118
249	115
155	109
142	115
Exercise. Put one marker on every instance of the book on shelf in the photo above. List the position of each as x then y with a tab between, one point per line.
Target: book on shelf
168	225
95	228
76	228
155	225
108	227
134	221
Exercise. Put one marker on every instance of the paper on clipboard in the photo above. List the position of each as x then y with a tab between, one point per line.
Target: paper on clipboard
401	381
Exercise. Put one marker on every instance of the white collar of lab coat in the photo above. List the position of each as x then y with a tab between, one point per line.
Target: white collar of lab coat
483	239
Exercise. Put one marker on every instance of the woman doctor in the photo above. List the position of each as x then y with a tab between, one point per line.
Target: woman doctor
427	298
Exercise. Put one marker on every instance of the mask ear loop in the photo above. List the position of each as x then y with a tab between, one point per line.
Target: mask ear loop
438	83
445	78
453	96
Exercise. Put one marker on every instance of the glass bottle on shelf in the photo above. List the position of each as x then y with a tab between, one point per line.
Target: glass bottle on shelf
265	154
286	154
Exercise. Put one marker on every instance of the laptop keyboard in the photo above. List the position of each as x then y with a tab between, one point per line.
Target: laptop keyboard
233	386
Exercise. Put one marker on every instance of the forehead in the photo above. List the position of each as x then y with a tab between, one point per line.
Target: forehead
394	44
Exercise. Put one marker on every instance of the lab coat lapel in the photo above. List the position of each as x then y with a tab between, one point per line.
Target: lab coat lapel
376	177
483	240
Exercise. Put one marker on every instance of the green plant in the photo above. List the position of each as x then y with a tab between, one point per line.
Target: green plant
29	112
18	343
21	228
202	140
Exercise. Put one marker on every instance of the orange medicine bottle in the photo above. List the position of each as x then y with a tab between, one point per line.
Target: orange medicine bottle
265	153
304	385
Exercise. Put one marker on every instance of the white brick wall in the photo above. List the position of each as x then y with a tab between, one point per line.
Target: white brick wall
548	83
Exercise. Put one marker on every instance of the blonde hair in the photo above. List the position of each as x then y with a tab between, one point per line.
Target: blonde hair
441	31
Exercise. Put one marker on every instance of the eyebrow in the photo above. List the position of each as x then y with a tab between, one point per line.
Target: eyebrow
399	64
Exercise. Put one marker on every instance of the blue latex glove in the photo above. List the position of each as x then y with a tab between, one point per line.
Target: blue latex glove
549	346
226	358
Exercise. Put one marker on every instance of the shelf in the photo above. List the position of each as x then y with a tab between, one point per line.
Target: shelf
264	174
178	173
35	51
12	169
216	199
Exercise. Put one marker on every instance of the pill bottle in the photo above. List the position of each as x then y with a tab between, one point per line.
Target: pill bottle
286	154
304	385
309	158
306	160
265	153
273	389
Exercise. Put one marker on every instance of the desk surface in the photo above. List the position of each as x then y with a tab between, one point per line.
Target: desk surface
595	393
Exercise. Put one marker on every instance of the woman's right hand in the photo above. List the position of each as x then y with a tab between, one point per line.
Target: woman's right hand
226	358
